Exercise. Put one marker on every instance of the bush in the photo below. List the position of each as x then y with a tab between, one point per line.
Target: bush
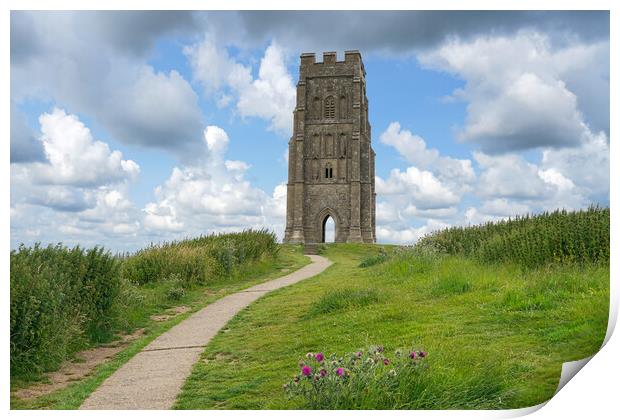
175	293
175	289
61	300
368	379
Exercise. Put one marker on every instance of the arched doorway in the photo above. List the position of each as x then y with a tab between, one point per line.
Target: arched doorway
328	230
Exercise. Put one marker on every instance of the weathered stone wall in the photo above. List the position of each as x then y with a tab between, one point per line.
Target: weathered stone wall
331	161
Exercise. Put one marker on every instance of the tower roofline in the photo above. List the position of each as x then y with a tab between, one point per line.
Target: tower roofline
330	57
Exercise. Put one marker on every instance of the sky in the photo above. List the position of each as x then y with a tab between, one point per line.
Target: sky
133	127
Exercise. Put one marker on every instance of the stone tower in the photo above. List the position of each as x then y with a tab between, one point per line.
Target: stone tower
331	165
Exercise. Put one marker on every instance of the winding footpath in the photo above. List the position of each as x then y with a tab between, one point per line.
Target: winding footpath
153	378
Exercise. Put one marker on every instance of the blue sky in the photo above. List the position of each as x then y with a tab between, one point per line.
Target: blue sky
133	127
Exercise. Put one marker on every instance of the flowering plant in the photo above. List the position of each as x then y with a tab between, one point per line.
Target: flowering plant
333	381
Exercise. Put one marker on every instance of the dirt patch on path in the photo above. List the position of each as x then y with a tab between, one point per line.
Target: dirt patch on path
170	313
86	362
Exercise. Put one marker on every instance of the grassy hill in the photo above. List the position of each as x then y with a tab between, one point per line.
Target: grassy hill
496	330
496	308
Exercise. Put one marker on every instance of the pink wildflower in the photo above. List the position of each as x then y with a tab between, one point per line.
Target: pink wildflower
323	372
319	357
340	371
386	362
306	370
413	355
422	353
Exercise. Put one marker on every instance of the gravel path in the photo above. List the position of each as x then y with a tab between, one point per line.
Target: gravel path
153	377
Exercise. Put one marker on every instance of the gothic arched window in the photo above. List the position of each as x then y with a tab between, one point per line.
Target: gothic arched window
330	107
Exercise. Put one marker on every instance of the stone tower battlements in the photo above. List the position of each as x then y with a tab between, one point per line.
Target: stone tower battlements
331	160
352	58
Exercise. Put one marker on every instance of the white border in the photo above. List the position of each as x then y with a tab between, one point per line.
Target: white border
592	393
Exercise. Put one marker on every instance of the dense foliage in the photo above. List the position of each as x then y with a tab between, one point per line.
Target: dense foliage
531	240
61	298
64	299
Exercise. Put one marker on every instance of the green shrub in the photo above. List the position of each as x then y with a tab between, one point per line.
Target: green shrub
175	293
175	290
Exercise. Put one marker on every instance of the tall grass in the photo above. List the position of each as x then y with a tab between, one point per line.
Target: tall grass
201	259
531	240
64	300
61	299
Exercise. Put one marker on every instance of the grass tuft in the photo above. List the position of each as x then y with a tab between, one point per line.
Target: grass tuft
343	299
452	285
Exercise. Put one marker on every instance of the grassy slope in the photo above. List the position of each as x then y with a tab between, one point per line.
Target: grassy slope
289	258
496	335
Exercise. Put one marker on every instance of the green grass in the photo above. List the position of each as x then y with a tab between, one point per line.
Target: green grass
496	334
154	300
343	299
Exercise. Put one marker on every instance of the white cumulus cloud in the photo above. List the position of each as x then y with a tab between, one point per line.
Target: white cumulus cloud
213	195
517	92
75	157
271	96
